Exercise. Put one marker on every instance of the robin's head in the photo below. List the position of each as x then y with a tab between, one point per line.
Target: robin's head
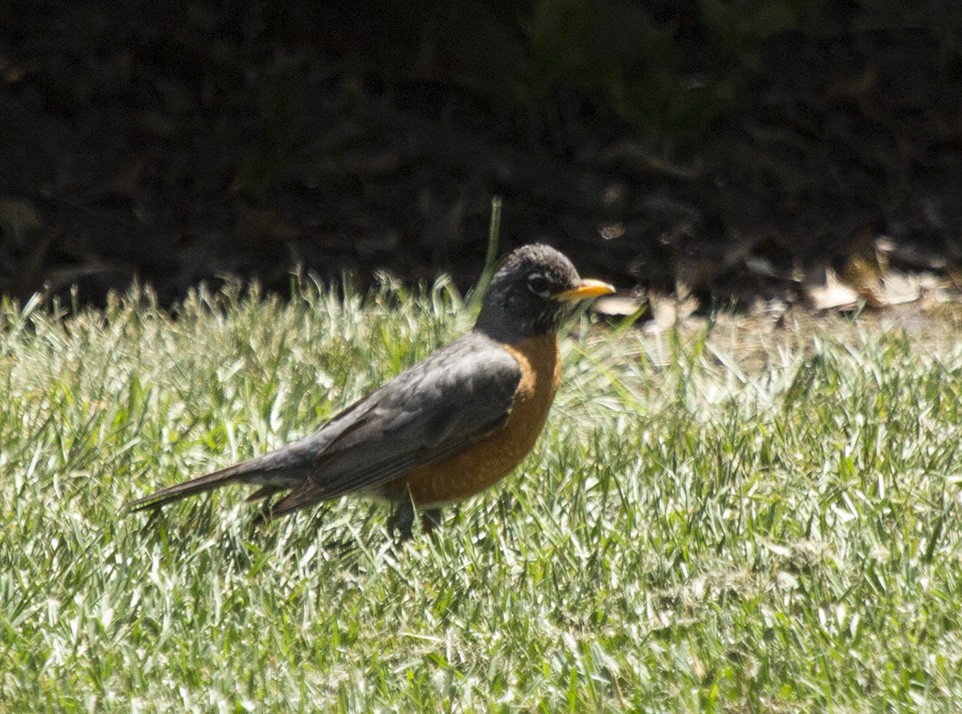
532	293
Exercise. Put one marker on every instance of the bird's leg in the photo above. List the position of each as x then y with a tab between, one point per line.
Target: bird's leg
400	523
430	519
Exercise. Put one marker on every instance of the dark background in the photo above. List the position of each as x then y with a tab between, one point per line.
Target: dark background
737	148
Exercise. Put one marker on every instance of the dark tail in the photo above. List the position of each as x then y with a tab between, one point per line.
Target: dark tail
276	471
201	484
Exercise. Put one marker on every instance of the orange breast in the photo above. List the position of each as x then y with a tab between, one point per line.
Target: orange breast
490	459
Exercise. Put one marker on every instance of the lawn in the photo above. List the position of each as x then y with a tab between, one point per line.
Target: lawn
724	518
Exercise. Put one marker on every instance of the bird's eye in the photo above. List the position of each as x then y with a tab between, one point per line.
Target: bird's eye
538	284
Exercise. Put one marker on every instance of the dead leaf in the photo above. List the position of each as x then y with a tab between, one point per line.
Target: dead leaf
832	295
901	288
618	306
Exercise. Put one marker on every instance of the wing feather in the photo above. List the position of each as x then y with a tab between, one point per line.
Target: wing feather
431	412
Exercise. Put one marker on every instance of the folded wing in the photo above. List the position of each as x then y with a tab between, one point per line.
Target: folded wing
435	410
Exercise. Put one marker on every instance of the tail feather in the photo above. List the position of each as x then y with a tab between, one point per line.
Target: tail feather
275	471
264	492
201	484
285	468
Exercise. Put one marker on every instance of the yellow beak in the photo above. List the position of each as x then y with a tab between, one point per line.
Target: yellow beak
587	288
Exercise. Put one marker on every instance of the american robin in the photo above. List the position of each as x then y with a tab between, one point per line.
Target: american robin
447	428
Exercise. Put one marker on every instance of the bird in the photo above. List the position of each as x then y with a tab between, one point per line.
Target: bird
444	430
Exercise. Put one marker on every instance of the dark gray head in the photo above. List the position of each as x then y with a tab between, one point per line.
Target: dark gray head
531	293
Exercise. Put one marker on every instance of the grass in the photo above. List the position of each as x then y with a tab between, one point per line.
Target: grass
693	531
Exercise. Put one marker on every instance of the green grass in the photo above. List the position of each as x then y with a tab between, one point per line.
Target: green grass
691	533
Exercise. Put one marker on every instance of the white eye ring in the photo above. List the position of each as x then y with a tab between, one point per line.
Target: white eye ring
538	284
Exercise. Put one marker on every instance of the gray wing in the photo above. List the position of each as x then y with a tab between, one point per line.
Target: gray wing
434	410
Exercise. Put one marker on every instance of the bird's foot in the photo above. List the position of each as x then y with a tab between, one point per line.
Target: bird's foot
430	520
401	523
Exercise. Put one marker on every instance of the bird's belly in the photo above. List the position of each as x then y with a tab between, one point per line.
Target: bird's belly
492	458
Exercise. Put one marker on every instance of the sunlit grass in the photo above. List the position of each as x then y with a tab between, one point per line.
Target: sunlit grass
691	533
